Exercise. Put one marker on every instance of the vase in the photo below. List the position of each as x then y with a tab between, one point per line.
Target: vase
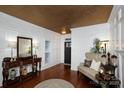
24	71
13	74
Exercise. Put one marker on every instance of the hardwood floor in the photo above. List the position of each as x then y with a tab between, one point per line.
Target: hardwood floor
59	71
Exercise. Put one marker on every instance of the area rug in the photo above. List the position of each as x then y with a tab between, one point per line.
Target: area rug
54	83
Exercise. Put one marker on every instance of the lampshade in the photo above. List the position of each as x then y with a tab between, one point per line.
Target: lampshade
114	60
104	59
35	45
12	44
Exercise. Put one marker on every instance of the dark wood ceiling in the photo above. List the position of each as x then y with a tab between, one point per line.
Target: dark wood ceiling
55	17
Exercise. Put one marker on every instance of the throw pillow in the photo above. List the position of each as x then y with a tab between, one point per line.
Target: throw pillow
95	65
87	63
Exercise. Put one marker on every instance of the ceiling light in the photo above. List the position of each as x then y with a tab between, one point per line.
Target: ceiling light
63	32
64	29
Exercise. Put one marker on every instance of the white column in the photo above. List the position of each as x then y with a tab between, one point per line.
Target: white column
121	67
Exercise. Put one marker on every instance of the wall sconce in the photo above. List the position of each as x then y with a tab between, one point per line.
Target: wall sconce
12	45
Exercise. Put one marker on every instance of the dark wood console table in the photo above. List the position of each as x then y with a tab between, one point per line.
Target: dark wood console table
112	83
20	62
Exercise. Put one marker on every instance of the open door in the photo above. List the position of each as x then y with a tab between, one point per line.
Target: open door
67	52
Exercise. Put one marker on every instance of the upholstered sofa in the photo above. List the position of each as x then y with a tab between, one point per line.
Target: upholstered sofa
87	71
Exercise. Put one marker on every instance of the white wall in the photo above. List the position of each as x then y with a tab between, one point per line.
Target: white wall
63	37
11	27
82	41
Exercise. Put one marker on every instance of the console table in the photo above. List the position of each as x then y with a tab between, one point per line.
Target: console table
112	83
20	62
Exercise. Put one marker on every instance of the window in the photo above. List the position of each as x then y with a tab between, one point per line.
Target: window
47	51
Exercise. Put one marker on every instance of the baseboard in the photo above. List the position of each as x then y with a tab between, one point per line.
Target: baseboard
74	69
48	66
67	64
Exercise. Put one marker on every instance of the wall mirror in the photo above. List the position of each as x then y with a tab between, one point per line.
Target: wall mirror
24	47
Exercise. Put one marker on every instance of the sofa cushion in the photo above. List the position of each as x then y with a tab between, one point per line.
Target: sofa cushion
95	65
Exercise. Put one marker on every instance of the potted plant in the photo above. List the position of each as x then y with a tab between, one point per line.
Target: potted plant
96	46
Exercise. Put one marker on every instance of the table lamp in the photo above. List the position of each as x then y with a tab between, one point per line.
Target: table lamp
35	46
12	45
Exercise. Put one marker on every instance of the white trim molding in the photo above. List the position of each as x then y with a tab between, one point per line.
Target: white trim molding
120	52
113	12
121	76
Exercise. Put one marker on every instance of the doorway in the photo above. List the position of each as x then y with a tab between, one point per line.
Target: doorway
67	51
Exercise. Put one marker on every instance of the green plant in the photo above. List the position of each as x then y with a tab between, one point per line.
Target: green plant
96	46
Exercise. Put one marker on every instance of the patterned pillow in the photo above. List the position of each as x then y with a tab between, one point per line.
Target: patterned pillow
87	63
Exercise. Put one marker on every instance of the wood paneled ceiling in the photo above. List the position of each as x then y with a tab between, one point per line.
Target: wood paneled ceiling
56	17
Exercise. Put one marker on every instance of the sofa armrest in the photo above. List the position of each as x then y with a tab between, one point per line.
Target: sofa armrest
88	72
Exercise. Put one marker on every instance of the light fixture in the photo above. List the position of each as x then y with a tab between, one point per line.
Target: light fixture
64	30
12	45
104	59
35	46
114	60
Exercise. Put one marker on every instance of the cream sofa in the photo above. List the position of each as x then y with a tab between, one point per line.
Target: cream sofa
90	73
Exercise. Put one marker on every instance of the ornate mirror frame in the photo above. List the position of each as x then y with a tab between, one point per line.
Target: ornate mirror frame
18	45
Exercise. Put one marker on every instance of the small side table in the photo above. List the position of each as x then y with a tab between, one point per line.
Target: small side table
112	83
